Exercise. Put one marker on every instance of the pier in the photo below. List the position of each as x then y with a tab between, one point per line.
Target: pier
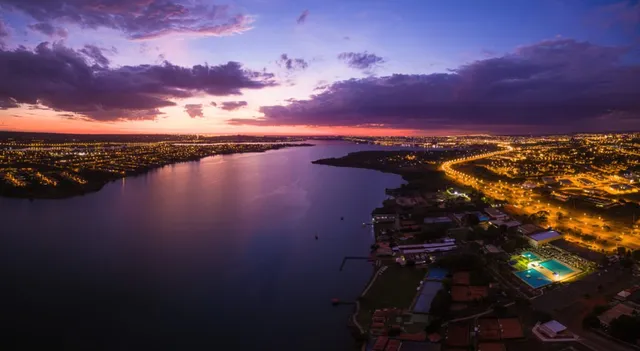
344	260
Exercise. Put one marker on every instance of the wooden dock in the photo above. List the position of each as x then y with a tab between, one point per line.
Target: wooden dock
344	260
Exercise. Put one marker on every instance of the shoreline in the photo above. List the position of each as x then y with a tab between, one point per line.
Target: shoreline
423	176
357	331
100	180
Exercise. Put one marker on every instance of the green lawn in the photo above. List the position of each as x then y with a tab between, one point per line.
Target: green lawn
396	287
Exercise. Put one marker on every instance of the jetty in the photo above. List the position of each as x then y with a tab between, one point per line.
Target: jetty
344	260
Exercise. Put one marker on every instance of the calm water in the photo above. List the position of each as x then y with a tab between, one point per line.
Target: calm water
202	255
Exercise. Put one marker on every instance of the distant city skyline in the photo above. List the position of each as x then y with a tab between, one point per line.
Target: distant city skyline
319	68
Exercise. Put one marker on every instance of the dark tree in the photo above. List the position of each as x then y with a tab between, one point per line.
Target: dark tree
542	316
626	328
440	304
591	321
471	219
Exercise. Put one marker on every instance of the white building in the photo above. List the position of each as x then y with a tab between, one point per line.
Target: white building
552	328
538	239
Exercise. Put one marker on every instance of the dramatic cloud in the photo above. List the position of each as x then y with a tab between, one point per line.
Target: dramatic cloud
361	60
139	19
4	33
292	64
303	17
194	110
63	79
95	53
557	83
49	30
233	105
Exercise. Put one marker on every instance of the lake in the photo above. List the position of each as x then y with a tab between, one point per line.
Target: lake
215	254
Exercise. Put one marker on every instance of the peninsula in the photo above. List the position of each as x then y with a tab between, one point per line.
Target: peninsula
37	166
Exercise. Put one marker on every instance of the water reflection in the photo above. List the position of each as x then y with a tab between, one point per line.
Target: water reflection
194	254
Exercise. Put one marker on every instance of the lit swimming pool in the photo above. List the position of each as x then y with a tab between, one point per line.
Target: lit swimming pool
530	256
437	273
533	278
557	267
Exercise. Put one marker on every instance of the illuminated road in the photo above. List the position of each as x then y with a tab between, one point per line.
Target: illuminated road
529	203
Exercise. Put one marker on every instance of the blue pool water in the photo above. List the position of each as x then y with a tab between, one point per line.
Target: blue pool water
531	256
437	273
535	279
428	292
556	266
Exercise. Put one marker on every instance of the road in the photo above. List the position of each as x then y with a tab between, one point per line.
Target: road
529	203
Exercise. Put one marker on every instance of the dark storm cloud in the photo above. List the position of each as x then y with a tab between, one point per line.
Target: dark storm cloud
139	19
303	17
194	110
95	54
292	64
63	79
49	30
4	33
548	84
233	105
361	60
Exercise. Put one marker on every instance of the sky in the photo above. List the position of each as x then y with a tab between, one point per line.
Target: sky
358	67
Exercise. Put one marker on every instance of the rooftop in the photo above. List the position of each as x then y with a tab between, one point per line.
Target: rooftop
615	312
461	278
545	235
491	346
462	293
458	334
434	220
511	328
554	326
529	228
494	212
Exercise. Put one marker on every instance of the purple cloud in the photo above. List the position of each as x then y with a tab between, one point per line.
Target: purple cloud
4	33
233	105
625	14
95	54
62	79
194	110
139	19
213	103
561	84
292	64
303	17
361	60
49	30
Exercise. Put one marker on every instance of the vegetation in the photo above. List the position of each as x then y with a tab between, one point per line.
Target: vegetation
626	328
591	320
440	304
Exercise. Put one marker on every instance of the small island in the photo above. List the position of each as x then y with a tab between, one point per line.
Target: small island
53	166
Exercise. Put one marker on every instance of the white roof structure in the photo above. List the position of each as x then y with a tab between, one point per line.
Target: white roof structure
624	294
544	235
554	326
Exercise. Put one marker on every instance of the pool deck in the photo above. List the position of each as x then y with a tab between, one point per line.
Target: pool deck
548	273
